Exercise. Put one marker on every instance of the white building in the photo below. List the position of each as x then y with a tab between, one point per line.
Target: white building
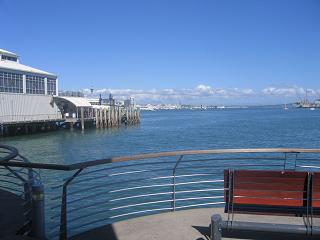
26	93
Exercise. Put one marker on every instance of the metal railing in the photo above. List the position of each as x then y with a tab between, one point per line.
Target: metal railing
19	181
100	192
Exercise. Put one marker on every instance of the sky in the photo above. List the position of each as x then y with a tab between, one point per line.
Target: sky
189	51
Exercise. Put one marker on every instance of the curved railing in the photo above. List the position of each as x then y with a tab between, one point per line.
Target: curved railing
100	192
18	181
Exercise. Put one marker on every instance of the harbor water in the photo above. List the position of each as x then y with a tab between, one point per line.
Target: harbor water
177	130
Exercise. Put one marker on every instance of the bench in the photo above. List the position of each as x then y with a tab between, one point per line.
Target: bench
269	192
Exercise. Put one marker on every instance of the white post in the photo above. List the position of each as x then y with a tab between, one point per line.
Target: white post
57	91
24	83
45	86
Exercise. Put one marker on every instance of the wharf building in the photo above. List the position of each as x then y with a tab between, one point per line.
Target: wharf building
26	95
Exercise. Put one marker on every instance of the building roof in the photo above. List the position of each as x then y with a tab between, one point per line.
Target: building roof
76	101
11	65
2	51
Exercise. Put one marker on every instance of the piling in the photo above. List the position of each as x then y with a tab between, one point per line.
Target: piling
105	118
82	118
101	118
96	117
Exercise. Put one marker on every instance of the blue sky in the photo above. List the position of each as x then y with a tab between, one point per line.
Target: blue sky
221	51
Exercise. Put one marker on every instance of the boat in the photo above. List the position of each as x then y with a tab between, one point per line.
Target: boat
305	103
285	107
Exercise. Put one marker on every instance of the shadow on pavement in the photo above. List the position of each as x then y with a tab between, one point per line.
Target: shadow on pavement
11	214
205	231
101	233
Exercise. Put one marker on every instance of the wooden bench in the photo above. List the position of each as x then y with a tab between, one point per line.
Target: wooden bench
269	192
315	194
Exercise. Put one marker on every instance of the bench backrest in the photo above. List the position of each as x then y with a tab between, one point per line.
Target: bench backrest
266	189
316	190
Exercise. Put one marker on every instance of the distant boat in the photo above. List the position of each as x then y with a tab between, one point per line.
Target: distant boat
312	109
305	103
285	107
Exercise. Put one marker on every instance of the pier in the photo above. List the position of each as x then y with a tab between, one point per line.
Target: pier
23	114
72	113
30	102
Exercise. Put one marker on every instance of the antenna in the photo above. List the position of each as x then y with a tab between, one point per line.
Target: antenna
91	87
306	94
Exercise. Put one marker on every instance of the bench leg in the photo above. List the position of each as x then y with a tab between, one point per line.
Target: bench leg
216	222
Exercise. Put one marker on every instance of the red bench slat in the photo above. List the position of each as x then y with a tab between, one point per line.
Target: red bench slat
267	188
316	190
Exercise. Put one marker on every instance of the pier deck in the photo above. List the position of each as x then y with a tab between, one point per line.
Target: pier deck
185	225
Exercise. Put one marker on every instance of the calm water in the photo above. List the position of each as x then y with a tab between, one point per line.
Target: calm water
178	130
158	131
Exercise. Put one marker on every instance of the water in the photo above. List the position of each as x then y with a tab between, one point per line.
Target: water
162	131
177	130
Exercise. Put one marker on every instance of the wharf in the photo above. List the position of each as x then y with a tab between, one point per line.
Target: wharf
186	225
99	116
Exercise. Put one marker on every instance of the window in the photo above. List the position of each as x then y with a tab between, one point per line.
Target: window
11	82
4	57
34	84
51	86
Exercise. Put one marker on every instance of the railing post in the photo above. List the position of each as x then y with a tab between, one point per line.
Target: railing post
216	221
63	215
173	205
38	214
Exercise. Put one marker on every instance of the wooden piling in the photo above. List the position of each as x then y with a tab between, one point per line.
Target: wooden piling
82	118
101	118
96	117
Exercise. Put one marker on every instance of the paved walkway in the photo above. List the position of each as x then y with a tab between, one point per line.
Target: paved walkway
183	225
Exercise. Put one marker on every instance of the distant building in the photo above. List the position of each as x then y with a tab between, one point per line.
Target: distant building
71	94
129	102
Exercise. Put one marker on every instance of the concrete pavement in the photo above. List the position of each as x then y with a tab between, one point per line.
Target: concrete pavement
185	225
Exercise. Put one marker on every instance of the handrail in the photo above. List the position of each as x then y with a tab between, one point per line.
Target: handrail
12	154
82	165
25	186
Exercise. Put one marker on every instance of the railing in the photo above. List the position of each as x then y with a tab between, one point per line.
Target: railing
21	182
104	191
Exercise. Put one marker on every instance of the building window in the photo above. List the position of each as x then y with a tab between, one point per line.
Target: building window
11	82
51	86
34	84
4	57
